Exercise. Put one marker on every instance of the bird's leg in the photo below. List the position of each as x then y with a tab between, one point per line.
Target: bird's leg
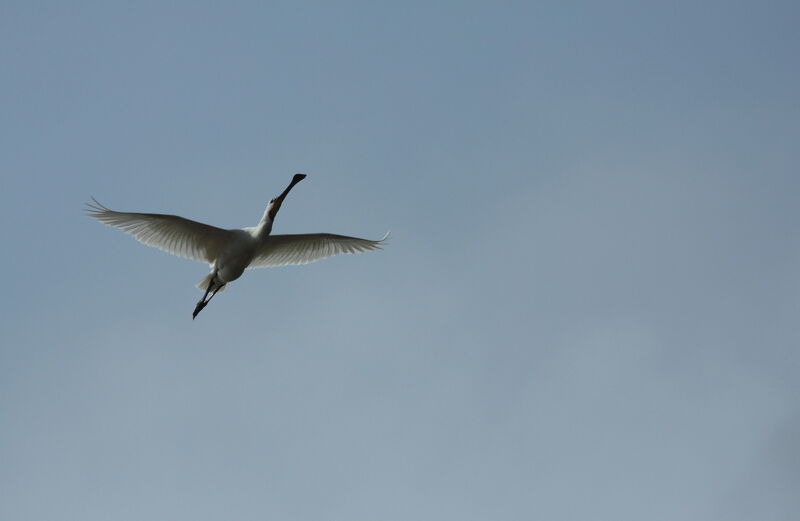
210	285
202	302
214	293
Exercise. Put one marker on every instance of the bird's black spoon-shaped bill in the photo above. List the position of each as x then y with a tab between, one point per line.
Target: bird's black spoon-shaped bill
296	179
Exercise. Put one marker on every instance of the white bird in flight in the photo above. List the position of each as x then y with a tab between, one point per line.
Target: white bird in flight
230	252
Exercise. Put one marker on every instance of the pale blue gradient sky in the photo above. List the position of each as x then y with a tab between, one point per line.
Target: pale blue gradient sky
588	309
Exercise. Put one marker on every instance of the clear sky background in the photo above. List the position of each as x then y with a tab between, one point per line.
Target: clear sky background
588	309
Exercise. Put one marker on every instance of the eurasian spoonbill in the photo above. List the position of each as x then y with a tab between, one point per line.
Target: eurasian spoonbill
230	252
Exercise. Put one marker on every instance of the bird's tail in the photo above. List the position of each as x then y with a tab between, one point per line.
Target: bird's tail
203	284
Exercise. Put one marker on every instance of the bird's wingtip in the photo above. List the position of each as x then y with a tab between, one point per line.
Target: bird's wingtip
94	206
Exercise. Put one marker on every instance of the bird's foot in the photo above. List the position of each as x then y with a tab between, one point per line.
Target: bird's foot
198	308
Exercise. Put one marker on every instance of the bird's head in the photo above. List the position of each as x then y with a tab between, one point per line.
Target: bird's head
275	204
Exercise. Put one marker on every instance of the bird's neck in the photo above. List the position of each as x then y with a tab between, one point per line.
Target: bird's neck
264	228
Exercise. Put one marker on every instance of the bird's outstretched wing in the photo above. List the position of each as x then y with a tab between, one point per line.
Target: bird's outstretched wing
173	234
282	250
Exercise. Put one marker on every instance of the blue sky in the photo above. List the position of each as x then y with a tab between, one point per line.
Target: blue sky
587	308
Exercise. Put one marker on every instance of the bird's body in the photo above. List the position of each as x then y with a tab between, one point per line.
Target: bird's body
236	256
230	252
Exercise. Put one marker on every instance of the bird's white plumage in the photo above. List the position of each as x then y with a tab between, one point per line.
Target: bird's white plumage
230	252
171	233
283	250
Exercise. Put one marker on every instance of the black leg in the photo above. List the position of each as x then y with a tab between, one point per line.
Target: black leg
202	303
198	308
210	285
214	293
